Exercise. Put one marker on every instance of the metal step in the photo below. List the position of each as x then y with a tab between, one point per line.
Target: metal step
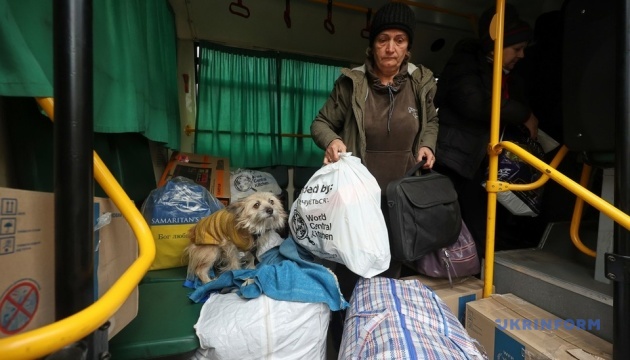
558	278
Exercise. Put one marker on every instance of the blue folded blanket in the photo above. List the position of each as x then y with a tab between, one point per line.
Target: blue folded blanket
282	274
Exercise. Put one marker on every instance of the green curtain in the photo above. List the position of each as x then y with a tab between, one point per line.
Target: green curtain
135	63
255	114
305	86
237	108
26	65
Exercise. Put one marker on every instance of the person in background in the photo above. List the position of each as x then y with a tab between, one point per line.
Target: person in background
381	112
464	99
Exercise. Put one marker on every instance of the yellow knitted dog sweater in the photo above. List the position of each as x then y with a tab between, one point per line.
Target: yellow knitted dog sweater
220	225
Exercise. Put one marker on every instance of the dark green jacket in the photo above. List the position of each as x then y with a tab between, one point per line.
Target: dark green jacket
341	117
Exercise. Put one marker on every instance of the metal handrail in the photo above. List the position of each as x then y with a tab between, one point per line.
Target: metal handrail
549	171
493	161
594	200
576	219
494	149
500	186
53	337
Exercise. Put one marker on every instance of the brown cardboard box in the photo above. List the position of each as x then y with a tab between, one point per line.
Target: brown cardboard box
27	260
511	328
456	297
213	173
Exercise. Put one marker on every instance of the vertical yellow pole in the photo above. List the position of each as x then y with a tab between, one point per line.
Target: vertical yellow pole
494	139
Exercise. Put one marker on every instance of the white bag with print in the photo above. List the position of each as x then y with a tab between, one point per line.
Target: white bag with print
338	217
244	182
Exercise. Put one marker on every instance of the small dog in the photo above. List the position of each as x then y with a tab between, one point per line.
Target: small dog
225	239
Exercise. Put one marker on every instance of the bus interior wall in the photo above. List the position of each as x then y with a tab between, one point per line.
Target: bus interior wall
27	160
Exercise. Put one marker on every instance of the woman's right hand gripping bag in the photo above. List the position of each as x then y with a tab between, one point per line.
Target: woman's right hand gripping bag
338	217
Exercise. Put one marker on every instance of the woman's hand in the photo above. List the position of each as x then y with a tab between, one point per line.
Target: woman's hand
333	150
426	153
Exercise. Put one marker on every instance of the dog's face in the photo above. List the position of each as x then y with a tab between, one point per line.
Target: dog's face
217	239
259	213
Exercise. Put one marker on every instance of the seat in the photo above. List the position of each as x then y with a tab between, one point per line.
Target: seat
163	327
588	66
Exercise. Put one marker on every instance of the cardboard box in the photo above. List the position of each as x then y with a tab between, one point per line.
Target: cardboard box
463	290
511	328
27	260
213	173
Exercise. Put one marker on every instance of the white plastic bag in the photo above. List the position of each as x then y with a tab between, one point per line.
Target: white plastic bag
338	217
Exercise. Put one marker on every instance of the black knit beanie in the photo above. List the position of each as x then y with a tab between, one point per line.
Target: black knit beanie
393	16
515	29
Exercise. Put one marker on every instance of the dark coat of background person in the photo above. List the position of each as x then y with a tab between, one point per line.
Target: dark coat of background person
464	99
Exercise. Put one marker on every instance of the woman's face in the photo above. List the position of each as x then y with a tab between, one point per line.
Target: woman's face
512	54
390	48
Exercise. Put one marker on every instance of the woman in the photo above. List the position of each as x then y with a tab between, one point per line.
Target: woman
381	112
464	98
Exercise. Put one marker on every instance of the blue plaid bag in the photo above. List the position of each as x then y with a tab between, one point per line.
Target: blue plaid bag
402	319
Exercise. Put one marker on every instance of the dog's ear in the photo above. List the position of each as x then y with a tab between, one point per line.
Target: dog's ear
236	208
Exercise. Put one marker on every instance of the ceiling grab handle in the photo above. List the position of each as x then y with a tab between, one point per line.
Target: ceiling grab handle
287	14
328	22
365	33
237	8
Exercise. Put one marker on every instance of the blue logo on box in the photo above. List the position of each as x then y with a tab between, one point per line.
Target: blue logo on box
506	348
461	311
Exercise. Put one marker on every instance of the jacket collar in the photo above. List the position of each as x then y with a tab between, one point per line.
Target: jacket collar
410	68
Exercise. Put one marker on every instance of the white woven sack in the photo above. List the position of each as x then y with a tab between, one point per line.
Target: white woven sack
338	217
230	328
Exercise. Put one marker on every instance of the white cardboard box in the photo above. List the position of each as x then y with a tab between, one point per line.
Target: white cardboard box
27	260
510	328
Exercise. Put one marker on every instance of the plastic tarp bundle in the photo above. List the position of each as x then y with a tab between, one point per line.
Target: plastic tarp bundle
230	327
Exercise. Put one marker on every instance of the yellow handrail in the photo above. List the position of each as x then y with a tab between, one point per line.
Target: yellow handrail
548	171
493	161
576	219
562	152
50	338
579	203
597	202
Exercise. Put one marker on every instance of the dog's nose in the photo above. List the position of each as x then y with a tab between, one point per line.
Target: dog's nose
269	211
